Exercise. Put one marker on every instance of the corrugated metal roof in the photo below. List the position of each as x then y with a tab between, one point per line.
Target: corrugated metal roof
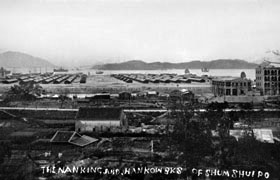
263	135
83	140
63	136
99	113
72	137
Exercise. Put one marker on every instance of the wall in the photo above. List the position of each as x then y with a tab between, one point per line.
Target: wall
97	126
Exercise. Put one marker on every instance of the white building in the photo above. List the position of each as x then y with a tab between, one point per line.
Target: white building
100	120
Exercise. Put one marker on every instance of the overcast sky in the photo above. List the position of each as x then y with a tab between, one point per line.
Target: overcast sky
93	31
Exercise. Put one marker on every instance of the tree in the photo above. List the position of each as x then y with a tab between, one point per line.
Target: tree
243	75
191	136
247	152
27	92
63	97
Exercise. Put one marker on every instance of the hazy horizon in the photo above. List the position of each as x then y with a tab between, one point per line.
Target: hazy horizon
89	32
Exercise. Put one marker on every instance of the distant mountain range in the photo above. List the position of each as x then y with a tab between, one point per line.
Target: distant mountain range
214	64
17	59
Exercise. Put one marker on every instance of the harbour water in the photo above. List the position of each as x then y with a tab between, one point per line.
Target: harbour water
250	73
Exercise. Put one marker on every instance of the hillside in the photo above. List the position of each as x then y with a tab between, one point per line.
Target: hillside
214	64
17	59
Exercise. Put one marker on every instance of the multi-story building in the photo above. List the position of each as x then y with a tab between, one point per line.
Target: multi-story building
268	79
231	86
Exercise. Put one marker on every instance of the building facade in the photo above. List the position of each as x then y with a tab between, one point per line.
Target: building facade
100	120
231	86
268	79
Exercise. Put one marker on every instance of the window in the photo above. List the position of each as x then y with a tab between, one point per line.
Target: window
234	92
266	72
228	92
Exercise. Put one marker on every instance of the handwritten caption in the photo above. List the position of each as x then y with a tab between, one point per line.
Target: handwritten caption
233	173
112	171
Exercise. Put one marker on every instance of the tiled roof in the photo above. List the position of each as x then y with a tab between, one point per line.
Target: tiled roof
22	133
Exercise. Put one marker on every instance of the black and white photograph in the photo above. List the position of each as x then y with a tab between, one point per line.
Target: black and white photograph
139	90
